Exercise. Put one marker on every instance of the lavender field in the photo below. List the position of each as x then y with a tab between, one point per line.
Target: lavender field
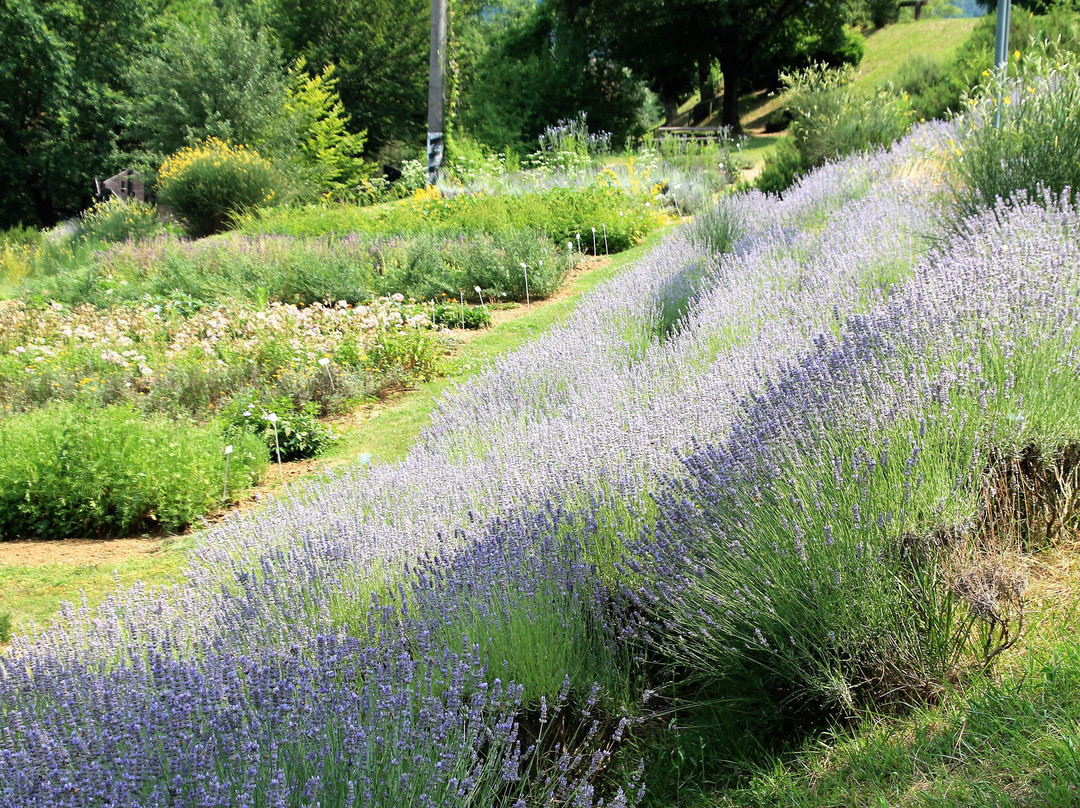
771	459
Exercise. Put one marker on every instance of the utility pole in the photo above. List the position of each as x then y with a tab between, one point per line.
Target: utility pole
436	90
1001	52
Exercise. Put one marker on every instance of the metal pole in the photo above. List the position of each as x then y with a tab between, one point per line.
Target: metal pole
436	90
1001	53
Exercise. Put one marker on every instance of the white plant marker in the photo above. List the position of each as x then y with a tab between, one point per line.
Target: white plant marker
325	362
594	241
480	295
272	418
225	487
525	269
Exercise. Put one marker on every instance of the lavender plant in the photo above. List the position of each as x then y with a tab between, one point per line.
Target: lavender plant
357	640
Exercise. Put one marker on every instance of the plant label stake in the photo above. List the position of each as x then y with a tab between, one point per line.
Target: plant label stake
481	296
225	487
594	241
325	362
272	417
525	269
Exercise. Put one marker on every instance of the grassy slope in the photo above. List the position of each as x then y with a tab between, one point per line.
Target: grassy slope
889	48
34	593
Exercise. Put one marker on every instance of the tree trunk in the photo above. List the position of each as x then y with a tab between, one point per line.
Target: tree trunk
704	80
732	71
671	105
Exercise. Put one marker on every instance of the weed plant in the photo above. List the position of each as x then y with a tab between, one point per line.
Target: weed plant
1013	139
71	470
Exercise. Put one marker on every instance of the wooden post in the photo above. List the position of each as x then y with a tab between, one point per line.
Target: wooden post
436	90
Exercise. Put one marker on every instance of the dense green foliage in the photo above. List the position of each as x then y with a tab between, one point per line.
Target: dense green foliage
537	70
71	470
735	33
62	76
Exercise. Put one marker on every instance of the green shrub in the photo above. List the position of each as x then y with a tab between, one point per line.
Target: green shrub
829	120
932	88
405	357
208	185
71	470
782	167
1034	148
5	627
120	220
295	432
432	267
454	315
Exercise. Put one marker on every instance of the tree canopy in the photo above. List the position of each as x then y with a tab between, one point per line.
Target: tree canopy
670	41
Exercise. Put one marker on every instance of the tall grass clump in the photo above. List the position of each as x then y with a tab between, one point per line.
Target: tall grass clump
69	470
209	184
1014	138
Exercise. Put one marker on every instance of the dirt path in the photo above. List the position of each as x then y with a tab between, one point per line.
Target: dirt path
78	552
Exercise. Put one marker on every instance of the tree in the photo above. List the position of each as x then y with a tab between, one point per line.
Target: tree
526	71
212	77
666	40
380	51
62	97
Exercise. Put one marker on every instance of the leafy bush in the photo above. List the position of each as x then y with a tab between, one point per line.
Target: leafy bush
72	470
1039	115
120	220
829	120
211	78
294	432
454	315
432	267
931	86
209	184
782	167
5	626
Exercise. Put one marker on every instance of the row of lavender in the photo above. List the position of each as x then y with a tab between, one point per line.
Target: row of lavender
456	628
586	416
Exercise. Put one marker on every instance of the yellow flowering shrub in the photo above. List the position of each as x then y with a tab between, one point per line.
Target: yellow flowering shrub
209	184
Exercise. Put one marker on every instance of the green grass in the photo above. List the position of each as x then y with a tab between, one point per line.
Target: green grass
889	48
34	593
